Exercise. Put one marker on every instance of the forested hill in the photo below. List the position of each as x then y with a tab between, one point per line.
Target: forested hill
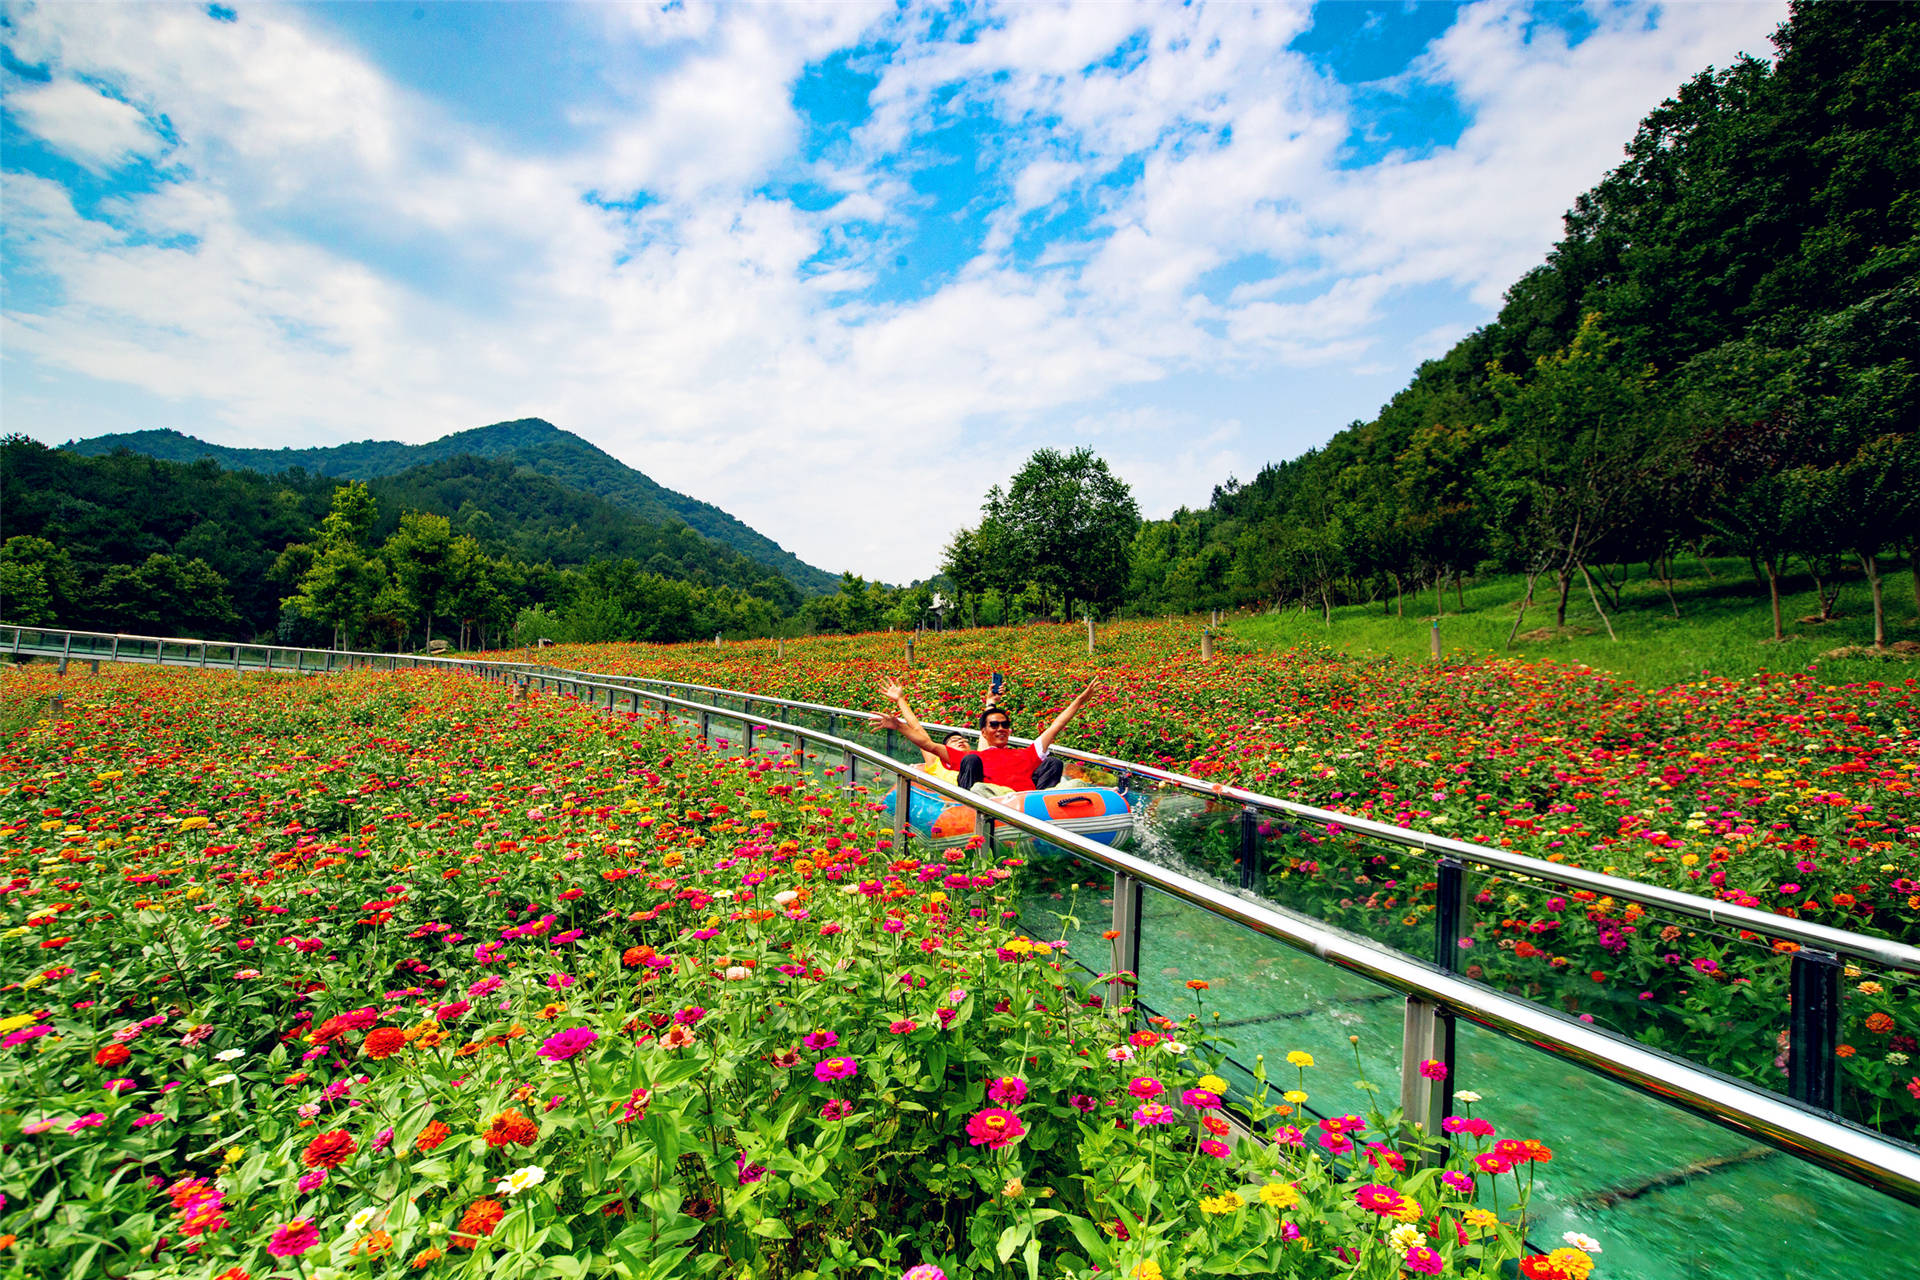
530	443
1721	350
131	542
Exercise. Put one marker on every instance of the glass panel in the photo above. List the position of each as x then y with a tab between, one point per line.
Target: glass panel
1267	998
1382	892
1065	897
1879	1021
1670	1196
1716	998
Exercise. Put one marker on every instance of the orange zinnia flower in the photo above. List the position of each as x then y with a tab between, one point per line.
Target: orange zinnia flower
383	1042
481	1217
432	1136
511	1126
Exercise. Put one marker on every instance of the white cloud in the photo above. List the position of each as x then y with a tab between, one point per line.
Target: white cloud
99	131
336	257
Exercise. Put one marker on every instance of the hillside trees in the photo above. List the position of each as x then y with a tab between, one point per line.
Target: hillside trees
1719	353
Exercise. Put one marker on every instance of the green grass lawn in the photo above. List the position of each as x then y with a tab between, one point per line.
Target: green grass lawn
1725	626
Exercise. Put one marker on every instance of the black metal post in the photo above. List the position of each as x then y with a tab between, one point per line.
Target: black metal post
1814	1028
1250	869
1450	899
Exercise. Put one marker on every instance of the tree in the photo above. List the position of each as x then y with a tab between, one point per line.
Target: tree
37	582
420	555
165	593
1071	522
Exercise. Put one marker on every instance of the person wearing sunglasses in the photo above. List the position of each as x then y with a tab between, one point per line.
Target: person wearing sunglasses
996	762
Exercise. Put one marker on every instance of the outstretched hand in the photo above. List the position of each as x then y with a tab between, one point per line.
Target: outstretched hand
892	691
888	720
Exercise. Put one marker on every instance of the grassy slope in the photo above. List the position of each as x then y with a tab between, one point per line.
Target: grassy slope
1725	627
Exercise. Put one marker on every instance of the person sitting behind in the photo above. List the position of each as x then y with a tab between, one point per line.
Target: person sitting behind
997	763
933	764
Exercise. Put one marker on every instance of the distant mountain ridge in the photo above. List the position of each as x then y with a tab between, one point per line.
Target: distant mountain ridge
532	443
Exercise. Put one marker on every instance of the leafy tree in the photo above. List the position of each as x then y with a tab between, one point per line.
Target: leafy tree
1069	523
164	592
37	582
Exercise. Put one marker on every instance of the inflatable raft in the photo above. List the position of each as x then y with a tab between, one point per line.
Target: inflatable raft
1098	813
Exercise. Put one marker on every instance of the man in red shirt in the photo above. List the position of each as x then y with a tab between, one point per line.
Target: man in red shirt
1025	768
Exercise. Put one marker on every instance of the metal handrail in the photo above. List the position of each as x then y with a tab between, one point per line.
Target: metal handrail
1855	1152
1880	951
1823	938
1818	1136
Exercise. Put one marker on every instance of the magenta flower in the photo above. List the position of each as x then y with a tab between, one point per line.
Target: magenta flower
925	1271
308	1181
1153	1113
836	1069
293	1239
91	1120
484	987
818	1040
1433	1070
1424	1261
994	1129
1201	1099
836	1109
903	1026
1008	1091
1146	1087
1458	1181
1215	1148
565	1044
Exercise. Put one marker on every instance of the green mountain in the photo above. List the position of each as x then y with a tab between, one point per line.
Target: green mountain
529	443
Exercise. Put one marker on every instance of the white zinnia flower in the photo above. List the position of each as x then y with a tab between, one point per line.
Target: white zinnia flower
1174	1047
1466	1095
363	1219
1406	1236
1585	1244
228	1078
228	1055
786	897
520	1179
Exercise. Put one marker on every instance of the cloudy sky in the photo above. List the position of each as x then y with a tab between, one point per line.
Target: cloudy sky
836	268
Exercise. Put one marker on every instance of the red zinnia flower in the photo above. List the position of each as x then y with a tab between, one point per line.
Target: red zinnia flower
481	1217
383	1042
330	1150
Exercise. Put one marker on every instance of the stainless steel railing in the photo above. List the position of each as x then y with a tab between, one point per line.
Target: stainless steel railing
1432	994
1802	1125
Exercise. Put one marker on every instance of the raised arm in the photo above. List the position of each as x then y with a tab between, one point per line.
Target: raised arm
1067	713
909	724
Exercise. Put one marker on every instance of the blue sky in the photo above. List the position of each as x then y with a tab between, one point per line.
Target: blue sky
836	268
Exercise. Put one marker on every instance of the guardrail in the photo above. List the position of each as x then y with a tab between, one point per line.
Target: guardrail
1435	993
1434	996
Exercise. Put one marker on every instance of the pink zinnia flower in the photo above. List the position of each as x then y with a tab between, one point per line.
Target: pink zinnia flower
293	1239
1433	1070
1144	1087
994	1129
1008	1091
1288	1136
903	1027
1153	1113
484	987
836	1109
308	1181
562	1045
1458	1181
91	1120
836	1069
818	1040
1424	1261
1215	1148
1201	1099
925	1271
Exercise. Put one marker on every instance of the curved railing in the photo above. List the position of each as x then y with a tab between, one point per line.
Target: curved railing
1436	992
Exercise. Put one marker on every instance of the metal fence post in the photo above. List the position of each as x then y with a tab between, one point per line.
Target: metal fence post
1250	869
983	826
902	801
1449	912
706	726
747	710
1814	1028
1127	899
113	653
1427	1038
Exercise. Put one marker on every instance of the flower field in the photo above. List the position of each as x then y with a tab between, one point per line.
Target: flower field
1777	792
387	974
